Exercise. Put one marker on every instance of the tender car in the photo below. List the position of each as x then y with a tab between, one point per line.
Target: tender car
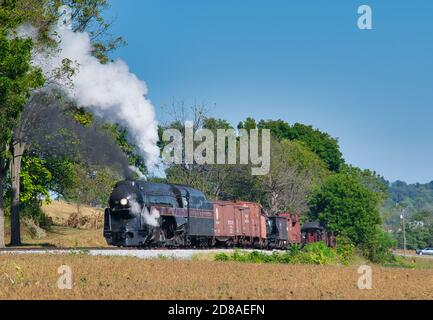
426	251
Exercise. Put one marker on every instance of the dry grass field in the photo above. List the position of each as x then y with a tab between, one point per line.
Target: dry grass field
60	211
35	277
64	237
61	235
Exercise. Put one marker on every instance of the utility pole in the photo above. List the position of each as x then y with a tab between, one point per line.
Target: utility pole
188	197
404	230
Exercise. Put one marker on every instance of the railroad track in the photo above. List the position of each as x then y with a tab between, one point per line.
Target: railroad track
128	249
122	252
66	249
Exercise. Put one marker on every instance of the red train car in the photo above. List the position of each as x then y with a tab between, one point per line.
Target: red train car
315	232
239	223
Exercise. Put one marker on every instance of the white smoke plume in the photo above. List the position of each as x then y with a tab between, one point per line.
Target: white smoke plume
26	31
109	91
135	206
140	174
150	218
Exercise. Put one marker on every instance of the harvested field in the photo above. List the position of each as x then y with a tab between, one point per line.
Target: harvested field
35	277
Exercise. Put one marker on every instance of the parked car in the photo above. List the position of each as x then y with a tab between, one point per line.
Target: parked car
426	251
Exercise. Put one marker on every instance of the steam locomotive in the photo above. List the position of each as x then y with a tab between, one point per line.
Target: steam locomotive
145	214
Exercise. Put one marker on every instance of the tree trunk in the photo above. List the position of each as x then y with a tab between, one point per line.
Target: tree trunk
17	152
2	211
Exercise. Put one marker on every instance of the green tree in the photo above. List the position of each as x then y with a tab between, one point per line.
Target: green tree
350	209
87	15
419	230
294	171
321	143
248	124
90	185
17	79
369	179
210	178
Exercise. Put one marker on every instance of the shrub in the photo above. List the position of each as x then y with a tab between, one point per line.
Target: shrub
222	257
316	253
345	250
79	221
34	212
400	262
34	230
379	249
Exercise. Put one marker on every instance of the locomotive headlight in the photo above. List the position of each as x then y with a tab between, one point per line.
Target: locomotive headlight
124	202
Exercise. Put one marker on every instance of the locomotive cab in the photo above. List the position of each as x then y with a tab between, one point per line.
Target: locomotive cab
277	232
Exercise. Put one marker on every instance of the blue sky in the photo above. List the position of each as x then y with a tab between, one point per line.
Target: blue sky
301	61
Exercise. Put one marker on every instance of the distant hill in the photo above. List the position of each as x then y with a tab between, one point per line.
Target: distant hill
413	197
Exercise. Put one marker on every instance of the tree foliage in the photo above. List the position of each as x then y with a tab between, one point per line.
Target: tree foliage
89	16
17	79
42	171
319	142
347	207
419	231
210	178
90	185
351	209
295	170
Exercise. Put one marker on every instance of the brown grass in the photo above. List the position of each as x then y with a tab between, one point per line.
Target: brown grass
86	229
65	237
35	277
61	212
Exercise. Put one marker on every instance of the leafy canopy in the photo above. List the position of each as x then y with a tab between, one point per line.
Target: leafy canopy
347	207
319	142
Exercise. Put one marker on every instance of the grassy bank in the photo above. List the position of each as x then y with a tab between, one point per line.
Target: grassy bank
64	232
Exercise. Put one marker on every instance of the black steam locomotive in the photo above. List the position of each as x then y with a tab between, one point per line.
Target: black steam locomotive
154	214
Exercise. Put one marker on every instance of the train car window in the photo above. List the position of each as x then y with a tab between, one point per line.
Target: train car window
161	200
209	206
272	222
196	203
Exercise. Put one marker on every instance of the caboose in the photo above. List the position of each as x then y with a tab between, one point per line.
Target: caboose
314	231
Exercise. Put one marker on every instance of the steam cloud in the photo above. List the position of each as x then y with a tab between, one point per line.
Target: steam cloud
109	91
150	218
